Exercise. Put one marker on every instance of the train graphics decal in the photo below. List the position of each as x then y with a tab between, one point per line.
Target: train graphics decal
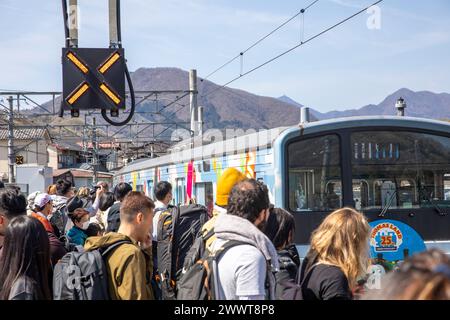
392	240
386	237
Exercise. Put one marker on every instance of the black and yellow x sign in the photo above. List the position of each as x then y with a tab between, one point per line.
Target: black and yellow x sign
93	78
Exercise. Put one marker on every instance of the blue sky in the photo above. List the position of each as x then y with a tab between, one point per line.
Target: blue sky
349	67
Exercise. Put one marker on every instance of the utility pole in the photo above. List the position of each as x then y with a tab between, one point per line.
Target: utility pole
193	100
73	23
11	157
200	121
94	151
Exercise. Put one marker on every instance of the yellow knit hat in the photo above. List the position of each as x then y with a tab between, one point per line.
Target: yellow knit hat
226	182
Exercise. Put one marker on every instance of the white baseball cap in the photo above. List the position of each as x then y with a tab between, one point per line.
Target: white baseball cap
42	199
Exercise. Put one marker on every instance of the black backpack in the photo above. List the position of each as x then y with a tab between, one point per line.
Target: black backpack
113	218
199	281
59	220
178	228
83	275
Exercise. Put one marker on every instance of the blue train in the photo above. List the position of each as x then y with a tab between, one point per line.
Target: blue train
388	167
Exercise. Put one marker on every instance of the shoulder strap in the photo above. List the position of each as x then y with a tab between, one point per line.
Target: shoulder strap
217	254
106	251
208	235
175	212
307	273
60	207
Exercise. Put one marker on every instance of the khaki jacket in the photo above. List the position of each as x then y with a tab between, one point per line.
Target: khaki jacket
129	267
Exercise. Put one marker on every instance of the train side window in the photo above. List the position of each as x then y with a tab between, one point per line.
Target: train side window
447	186
314	174
206	166
400	170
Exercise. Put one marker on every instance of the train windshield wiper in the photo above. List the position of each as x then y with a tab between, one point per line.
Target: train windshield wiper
388	204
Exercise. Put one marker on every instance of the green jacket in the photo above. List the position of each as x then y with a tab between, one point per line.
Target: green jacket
129	267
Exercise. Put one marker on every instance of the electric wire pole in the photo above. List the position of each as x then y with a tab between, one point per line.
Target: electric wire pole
94	151
11	157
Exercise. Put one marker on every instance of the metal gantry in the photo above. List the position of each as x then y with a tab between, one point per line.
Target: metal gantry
144	137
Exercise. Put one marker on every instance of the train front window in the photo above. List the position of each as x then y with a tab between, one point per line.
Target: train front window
314	174
400	170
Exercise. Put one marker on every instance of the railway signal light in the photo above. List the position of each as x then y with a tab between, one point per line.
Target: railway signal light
93	79
19	160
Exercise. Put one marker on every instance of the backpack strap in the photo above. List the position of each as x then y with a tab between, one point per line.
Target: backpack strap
107	250
208	235
175	211
216	257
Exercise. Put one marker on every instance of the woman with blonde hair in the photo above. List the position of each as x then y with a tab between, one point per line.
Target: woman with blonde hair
338	256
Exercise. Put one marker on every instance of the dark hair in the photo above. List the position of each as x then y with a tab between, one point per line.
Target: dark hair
26	253
279	225
93	230
247	199
162	189
106	201
121	190
133	203
63	187
12	203
2	185
77	214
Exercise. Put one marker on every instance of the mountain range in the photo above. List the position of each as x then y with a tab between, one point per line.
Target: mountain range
423	104
234	108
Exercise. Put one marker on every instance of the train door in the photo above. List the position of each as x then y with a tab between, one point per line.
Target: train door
204	194
150	191
180	193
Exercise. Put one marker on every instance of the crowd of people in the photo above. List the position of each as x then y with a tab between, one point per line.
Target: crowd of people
36	233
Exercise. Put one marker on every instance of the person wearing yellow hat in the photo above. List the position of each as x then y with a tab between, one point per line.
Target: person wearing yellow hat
225	183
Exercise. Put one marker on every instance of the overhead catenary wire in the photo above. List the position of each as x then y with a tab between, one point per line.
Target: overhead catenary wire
293	48
241	54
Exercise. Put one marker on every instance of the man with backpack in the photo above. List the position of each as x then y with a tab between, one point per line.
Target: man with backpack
242	259
163	195
58	218
129	265
177	229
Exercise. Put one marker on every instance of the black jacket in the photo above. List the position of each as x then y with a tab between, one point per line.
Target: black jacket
322	281
289	261
113	218
24	288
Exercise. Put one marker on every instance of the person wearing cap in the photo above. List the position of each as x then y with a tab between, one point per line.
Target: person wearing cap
43	206
30	201
225	183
